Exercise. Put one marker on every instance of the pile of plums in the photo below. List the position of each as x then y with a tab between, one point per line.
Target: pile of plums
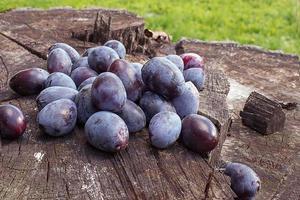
112	97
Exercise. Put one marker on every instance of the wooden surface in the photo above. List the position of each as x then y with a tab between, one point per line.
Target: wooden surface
37	166
274	157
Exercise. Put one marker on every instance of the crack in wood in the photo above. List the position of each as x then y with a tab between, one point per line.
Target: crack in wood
31	50
6	69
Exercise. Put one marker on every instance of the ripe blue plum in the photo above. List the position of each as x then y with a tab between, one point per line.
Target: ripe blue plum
164	129
196	76
138	67
162	76
60	79
177	61
128	75
85	107
54	93
108	92
192	60
107	131
133	116
12	121
117	46
244	181
152	104
188	102
81	62
86	82
73	54
59	61
58	117
199	134
100	58
29	81
80	74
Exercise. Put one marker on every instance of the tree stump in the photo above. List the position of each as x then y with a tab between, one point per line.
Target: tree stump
276	75
37	166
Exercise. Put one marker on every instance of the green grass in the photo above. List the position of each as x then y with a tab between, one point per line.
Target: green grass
272	24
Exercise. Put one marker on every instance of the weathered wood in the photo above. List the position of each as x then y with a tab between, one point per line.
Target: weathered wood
274	157
262	114
37	166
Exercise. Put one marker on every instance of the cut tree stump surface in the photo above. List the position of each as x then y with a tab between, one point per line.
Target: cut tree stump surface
274	157
37	166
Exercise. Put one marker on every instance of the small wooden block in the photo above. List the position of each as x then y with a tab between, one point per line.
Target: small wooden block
262	114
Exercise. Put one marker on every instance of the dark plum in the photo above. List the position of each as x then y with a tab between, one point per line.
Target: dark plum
108	92
199	134
192	60
107	131
12	121
59	61
80	74
152	104
129	77
196	76
117	46
87	52
73	54
58	117
100	58
177	61
162	76
60	79
188	102
81	62
133	116
244	181
54	93
164	129
29	81
85	107
86	82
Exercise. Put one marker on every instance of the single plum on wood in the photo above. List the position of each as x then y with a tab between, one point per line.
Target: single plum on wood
117	46
29	81
199	134
163	77
80	74
108	92
100	58
192	60
133	116
177	60
152	104
244	181
59	61
73	54
129	77
60	79
164	129
85	107
107	131
81	62
196	76
86	82
54	93
12	121
58	117
188	102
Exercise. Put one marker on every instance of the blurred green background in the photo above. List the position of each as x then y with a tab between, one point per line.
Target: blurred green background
272	24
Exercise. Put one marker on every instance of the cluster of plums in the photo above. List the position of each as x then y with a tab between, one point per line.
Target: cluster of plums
112	97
